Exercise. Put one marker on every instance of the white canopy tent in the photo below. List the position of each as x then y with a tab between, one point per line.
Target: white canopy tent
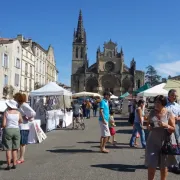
154	91
51	89
114	97
86	94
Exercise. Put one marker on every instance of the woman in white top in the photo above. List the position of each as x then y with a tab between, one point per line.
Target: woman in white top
11	136
28	114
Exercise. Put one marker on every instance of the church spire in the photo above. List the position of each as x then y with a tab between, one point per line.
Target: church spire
80	33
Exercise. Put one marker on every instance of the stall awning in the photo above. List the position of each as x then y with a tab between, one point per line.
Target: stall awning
124	95
51	89
142	88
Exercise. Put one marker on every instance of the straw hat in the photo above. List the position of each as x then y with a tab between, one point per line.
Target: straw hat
12	104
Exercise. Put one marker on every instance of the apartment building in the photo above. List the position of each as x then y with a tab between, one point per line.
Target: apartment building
40	64
10	66
51	70
27	65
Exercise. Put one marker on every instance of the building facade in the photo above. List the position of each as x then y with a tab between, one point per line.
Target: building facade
27	65
109	72
10	66
40	64
51	70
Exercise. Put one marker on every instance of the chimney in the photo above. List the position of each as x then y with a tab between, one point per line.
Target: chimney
30	42
20	37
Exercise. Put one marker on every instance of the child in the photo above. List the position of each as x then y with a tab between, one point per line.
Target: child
111	127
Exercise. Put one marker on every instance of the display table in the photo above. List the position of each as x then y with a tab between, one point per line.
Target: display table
54	116
67	119
32	139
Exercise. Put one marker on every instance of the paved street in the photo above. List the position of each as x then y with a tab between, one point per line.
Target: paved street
74	155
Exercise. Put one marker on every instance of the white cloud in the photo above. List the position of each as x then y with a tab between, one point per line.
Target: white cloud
171	68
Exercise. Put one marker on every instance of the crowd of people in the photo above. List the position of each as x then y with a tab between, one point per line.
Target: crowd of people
162	124
15	124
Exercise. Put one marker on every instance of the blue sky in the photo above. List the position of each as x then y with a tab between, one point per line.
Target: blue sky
149	31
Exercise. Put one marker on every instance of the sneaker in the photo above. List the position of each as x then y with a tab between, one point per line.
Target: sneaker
7	168
13	167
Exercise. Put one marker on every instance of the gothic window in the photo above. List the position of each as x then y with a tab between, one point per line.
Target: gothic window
82	52
110	54
76	52
139	83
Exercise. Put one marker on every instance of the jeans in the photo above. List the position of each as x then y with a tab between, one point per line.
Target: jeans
177	134
138	128
88	113
94	112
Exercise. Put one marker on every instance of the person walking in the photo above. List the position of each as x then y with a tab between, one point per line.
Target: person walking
28	115
95	107
161	124
104	122
11	134
174	107
138	125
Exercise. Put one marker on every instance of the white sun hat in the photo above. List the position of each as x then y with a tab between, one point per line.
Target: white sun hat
11	103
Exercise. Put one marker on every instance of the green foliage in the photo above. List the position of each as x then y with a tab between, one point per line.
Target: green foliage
151	76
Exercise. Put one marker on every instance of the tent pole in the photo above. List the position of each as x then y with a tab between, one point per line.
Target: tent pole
64	104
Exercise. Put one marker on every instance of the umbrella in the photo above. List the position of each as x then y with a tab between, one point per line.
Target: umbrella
3	105
86	94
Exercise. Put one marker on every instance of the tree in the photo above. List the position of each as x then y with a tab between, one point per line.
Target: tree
151	76
169	77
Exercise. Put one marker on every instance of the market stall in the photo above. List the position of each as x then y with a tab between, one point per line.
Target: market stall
154	91
51	103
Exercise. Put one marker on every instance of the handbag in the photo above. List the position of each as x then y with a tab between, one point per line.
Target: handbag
169	148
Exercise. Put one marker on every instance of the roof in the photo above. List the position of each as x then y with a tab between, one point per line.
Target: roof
93	68
6	40
39	46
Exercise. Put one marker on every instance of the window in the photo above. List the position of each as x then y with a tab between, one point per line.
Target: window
17	63
5	80
5	61
30	70
30	84
25	83
16	81
37	65
36	77
43	68
18	49
76	52
26	54
138	83
40	68
82	52
26	68
40	79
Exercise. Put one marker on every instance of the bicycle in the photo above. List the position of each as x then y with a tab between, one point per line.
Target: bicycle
79	122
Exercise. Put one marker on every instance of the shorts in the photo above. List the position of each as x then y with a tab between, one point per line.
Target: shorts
112	131
24	137
75	115
11	138
104	129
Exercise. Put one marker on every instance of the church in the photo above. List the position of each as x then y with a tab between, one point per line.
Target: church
108	73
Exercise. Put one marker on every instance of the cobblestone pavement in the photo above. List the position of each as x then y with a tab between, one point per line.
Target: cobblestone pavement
74	155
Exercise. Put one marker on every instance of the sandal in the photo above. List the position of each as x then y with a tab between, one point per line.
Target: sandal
20	161
7	168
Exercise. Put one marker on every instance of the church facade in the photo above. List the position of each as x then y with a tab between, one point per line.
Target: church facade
109	72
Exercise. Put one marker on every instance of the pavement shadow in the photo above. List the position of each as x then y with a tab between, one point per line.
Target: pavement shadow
1	164
72	151
118	147
120	167
122	124
89	142
124	131
121	118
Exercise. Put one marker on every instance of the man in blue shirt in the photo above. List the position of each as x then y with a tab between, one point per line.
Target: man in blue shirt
175	109
104	122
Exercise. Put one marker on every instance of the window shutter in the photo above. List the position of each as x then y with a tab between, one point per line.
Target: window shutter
17	79
3	60
14	61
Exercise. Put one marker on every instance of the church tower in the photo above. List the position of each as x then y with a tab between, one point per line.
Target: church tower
79	51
